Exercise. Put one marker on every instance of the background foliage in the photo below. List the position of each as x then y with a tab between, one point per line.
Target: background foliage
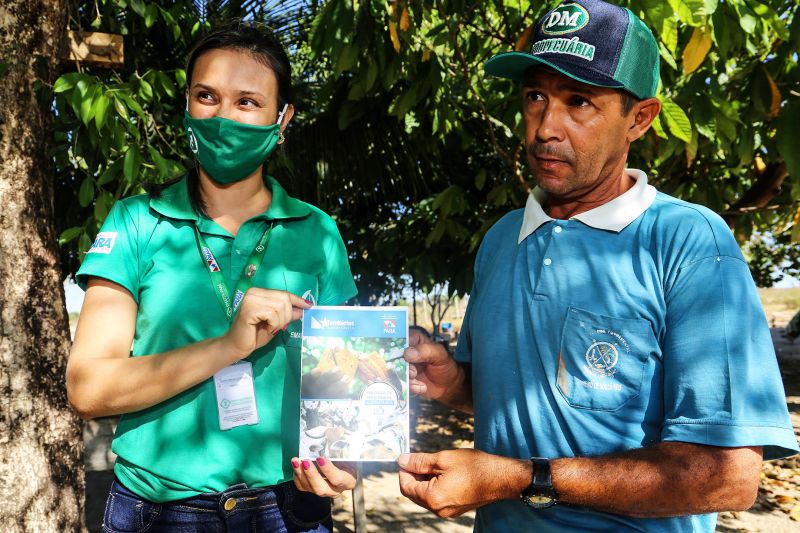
403	139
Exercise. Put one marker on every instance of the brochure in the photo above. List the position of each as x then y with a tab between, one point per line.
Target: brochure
354	383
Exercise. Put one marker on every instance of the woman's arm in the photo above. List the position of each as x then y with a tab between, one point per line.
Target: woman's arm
102	378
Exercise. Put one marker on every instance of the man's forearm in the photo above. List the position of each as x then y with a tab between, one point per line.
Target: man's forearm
667	479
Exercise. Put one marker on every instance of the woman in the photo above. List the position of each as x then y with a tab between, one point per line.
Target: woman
205	279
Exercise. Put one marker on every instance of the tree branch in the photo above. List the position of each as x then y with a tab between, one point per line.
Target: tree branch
766	187
512	161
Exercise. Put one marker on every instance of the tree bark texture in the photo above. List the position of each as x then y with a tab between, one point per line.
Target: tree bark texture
41	449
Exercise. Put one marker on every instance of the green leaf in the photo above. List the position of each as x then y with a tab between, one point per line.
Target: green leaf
347	58
349	112
69	234
166	84
101	104
110	173
709	7
3	68
371	76
667	56
787	133
66	82
103	205
133	162
703	115
86	192
678	123
405	102
748	23
688	11
669	34
180	77
450	201
138	7
150	15
659	128
480	179
120	107
86	112
145	90
132	104
160	162
84	244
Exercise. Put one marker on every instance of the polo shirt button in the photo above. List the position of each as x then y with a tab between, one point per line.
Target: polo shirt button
557	229
238	252
230	503
548	261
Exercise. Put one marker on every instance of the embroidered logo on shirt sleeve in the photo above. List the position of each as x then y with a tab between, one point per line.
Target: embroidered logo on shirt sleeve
103	243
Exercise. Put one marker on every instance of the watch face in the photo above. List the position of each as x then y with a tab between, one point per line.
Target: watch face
539	501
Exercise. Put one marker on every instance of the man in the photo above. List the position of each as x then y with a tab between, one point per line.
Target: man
614	350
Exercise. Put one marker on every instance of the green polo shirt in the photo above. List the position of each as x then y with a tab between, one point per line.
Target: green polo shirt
147	245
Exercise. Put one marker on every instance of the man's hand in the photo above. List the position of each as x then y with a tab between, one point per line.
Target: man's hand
453	482
437	376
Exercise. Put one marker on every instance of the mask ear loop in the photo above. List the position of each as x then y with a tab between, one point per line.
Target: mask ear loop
281	139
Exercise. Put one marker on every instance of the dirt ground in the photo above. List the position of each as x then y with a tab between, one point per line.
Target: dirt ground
777	509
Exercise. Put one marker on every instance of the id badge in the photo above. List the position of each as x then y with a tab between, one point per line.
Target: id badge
236	396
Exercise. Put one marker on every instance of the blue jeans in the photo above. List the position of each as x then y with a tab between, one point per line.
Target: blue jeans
281	508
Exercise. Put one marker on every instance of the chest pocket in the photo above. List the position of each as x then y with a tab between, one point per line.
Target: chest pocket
305	286
602	359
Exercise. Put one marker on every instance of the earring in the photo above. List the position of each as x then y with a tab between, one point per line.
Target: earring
281	139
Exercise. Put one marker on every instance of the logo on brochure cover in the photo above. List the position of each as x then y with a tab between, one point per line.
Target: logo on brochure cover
389	323
104	243
324	323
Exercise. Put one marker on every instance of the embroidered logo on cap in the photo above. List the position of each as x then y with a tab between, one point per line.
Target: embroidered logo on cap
565	19
573	47
104	243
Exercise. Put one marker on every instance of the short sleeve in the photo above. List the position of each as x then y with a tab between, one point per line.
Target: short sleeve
722	385
114	255
336	283
463	353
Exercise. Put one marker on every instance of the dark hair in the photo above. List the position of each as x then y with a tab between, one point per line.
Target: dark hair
255	39
628	101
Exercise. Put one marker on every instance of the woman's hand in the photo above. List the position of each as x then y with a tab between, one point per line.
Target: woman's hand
322	477
262	315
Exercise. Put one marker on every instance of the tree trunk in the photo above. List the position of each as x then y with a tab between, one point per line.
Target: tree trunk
41	449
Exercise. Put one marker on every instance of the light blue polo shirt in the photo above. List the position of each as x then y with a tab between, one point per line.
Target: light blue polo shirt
633	323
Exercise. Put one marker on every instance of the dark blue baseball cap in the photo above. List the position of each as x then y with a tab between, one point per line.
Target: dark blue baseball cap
590	41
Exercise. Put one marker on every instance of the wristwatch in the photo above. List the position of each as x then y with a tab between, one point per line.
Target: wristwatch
540	494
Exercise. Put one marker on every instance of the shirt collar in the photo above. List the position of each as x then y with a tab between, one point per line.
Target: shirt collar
174	202
612	216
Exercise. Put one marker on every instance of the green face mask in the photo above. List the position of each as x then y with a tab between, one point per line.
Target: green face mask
229	151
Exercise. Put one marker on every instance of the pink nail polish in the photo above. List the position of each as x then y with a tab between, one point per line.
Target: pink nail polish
285	327
275	332
320	461
306	465
295	464
309	302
